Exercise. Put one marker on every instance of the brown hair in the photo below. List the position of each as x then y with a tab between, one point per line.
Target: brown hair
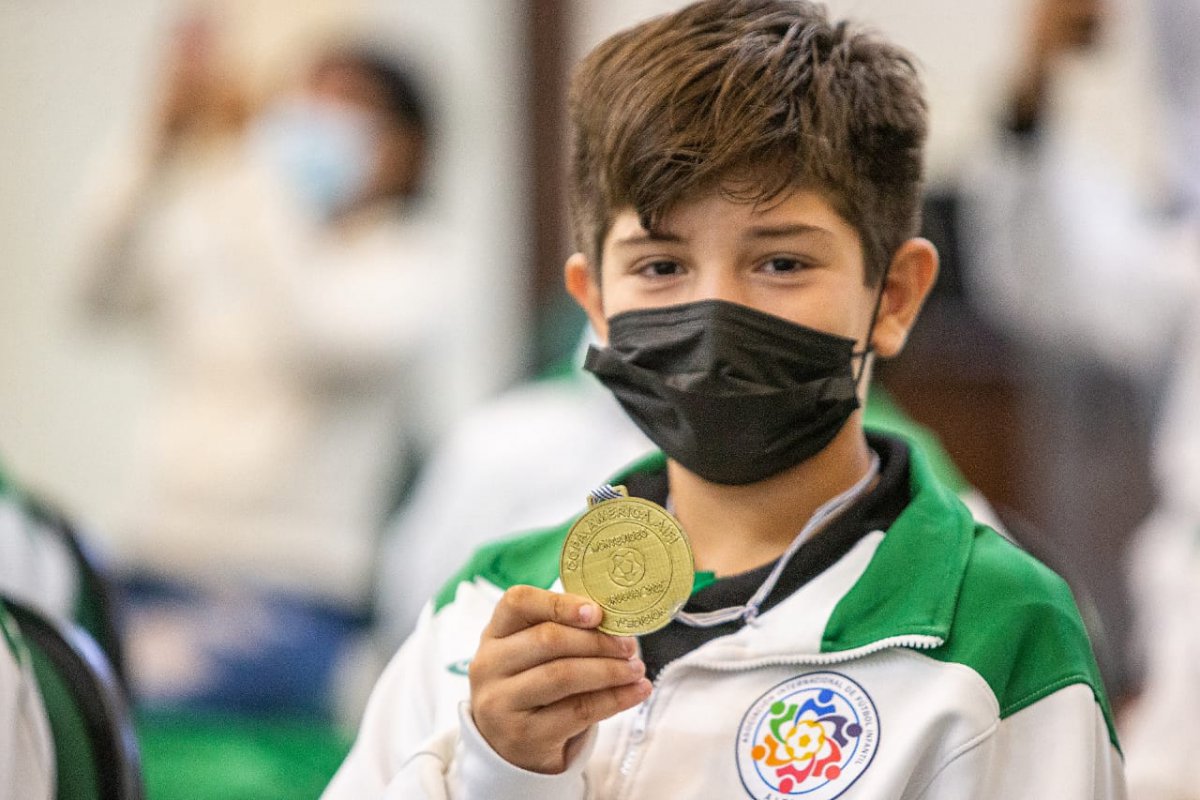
768	90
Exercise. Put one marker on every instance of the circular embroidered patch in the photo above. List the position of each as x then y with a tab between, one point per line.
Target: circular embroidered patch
811	736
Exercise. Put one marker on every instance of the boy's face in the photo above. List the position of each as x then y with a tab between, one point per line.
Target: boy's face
796	258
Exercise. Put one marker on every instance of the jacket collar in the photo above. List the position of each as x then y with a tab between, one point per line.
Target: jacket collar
905	583
911	585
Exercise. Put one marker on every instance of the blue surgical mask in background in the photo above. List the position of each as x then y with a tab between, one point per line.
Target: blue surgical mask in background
323	152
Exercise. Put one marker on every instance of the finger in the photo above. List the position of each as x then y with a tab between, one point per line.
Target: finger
555	680
575	714
524	606
548	641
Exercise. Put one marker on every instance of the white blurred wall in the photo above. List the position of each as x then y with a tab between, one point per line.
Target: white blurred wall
69	73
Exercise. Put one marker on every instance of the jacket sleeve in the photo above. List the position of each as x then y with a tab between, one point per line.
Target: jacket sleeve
404	751
1056	747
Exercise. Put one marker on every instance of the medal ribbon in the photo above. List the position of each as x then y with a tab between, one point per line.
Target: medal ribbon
749	611
826	512
605	492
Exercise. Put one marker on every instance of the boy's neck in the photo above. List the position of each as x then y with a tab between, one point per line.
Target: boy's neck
737	528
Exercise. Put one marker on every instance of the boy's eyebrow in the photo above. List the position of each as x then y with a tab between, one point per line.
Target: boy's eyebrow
778	231
644	237
758	232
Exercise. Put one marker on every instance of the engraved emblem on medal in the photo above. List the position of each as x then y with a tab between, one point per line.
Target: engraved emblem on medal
633	559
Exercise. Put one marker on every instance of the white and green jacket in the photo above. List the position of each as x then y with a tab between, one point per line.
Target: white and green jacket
934	661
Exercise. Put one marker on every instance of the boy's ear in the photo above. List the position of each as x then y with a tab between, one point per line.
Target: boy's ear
583	285
914	269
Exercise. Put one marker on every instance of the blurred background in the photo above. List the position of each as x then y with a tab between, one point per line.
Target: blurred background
371	194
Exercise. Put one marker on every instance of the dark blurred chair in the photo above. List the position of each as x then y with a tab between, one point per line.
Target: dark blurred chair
96	751
96	607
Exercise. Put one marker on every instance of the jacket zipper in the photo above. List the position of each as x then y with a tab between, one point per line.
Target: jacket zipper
642	719
637	734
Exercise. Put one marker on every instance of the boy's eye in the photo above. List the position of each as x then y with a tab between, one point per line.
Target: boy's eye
660	269
782	264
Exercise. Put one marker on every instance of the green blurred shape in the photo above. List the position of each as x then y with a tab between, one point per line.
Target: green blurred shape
190	756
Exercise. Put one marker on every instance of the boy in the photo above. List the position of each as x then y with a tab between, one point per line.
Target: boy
745	189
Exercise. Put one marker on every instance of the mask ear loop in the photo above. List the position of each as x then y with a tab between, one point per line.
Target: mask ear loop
868	349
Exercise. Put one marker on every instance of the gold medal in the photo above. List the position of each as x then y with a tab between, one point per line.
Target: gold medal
633	559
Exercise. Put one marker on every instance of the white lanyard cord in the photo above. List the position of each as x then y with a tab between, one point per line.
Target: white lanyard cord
749	611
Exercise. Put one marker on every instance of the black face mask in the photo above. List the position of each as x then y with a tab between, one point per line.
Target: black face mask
733	394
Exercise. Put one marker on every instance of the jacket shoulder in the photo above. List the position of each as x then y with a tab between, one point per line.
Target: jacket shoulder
530	559
1016	624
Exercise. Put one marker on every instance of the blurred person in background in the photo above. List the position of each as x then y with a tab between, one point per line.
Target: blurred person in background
275	256
1118	277
1038	158
1044	203
1162	729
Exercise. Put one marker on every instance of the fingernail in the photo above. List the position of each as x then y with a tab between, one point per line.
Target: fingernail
637	666
588	614
643	687
628	646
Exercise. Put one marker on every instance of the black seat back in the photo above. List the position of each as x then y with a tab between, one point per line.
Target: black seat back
96	750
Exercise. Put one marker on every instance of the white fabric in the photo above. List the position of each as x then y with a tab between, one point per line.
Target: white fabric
293	363
1062	255
36	568
1177	29
1161	732
1005	762
522	461
27	770
944	736
1177	447
476	768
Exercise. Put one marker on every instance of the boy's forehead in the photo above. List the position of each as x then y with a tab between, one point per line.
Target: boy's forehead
797	209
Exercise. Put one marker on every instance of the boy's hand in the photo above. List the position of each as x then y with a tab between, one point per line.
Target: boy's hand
542	677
